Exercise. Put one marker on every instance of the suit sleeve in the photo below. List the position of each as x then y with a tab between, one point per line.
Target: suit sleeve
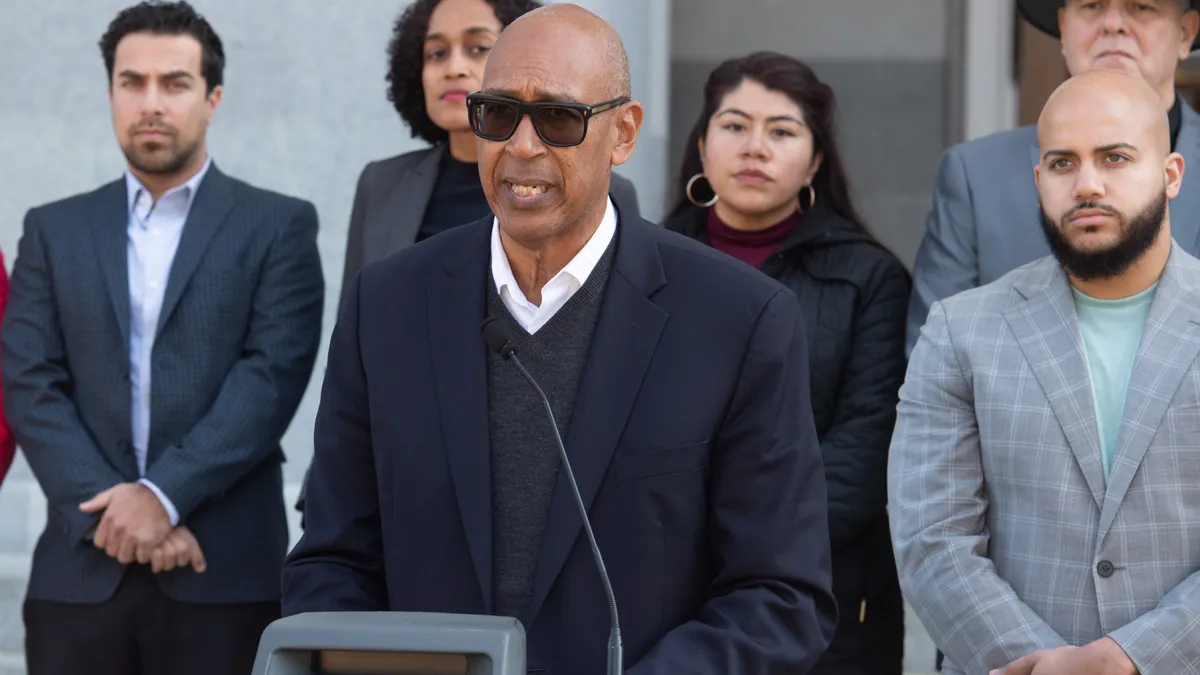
855	448
770	605
259	396
68	465
947	260
338	563
1166	640
938	502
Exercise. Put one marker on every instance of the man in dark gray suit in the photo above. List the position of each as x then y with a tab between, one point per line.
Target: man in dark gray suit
160	333
984	221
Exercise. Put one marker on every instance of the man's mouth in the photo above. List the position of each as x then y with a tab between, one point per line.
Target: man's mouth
526	191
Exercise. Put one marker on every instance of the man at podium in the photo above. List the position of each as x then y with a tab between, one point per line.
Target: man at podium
678	378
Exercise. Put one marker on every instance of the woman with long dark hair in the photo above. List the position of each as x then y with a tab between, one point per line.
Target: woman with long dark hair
763	181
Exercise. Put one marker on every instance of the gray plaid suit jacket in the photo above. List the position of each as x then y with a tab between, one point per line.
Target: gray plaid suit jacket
1007	536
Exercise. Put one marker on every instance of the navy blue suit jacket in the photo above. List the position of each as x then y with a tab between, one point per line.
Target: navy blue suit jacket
235	346
692	442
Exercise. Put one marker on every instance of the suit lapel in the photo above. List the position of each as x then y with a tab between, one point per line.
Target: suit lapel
1185	208
627	333
110	239
1169	346
1047	330
456	310
404	207
211	206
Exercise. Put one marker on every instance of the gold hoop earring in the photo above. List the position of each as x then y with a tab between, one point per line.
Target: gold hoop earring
812	196
688	191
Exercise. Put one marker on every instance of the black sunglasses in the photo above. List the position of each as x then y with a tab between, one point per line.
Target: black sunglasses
561	124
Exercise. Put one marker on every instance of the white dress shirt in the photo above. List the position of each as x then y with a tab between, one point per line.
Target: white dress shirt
154	231
561	287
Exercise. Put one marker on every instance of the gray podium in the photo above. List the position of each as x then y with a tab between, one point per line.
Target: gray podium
391	643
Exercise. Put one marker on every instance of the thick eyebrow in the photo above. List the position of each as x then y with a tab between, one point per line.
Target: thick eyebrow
473	30
773	118
1055	152
173	75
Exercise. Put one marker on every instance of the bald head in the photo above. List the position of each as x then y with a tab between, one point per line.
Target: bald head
1105	175
573	37
547	182
1099	97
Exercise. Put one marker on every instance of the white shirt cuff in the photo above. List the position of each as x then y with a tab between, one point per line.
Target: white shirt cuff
166	503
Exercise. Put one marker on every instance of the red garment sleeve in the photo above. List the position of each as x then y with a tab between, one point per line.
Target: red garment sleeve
8	444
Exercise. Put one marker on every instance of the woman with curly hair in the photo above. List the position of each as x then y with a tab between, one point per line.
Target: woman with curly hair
436	57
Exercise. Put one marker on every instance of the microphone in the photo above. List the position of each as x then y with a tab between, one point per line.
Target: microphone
497	339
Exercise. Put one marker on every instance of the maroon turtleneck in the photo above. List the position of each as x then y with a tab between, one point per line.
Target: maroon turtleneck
751	247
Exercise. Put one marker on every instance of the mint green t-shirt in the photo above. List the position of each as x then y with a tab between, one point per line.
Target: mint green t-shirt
1111	332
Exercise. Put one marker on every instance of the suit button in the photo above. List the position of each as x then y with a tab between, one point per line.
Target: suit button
1105	569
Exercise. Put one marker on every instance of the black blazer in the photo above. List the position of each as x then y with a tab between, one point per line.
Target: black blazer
692	441
236	342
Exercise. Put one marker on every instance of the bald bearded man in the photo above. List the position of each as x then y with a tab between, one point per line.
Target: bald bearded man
678	378
1044	466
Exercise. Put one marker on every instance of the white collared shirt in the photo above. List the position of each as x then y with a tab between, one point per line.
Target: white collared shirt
154	231
559	289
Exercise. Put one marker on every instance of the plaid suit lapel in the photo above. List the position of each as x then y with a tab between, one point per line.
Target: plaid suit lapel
1169	346
1047	331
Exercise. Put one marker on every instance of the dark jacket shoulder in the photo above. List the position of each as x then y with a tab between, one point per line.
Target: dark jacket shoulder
68	210
388	171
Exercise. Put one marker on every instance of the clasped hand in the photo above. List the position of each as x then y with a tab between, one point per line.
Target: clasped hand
1102	657
135	526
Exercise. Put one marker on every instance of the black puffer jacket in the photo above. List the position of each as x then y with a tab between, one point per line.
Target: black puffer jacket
853	296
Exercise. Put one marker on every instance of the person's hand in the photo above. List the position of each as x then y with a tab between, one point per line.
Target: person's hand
1102	657
179	549
134	522
1043	661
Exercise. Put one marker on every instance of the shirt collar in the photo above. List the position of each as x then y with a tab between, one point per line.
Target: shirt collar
578	269
134	187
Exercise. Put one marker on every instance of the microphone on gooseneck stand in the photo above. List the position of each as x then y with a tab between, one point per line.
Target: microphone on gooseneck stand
497	339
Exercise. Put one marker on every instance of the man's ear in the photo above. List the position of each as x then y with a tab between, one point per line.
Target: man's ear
214	101
628	124
1173	170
